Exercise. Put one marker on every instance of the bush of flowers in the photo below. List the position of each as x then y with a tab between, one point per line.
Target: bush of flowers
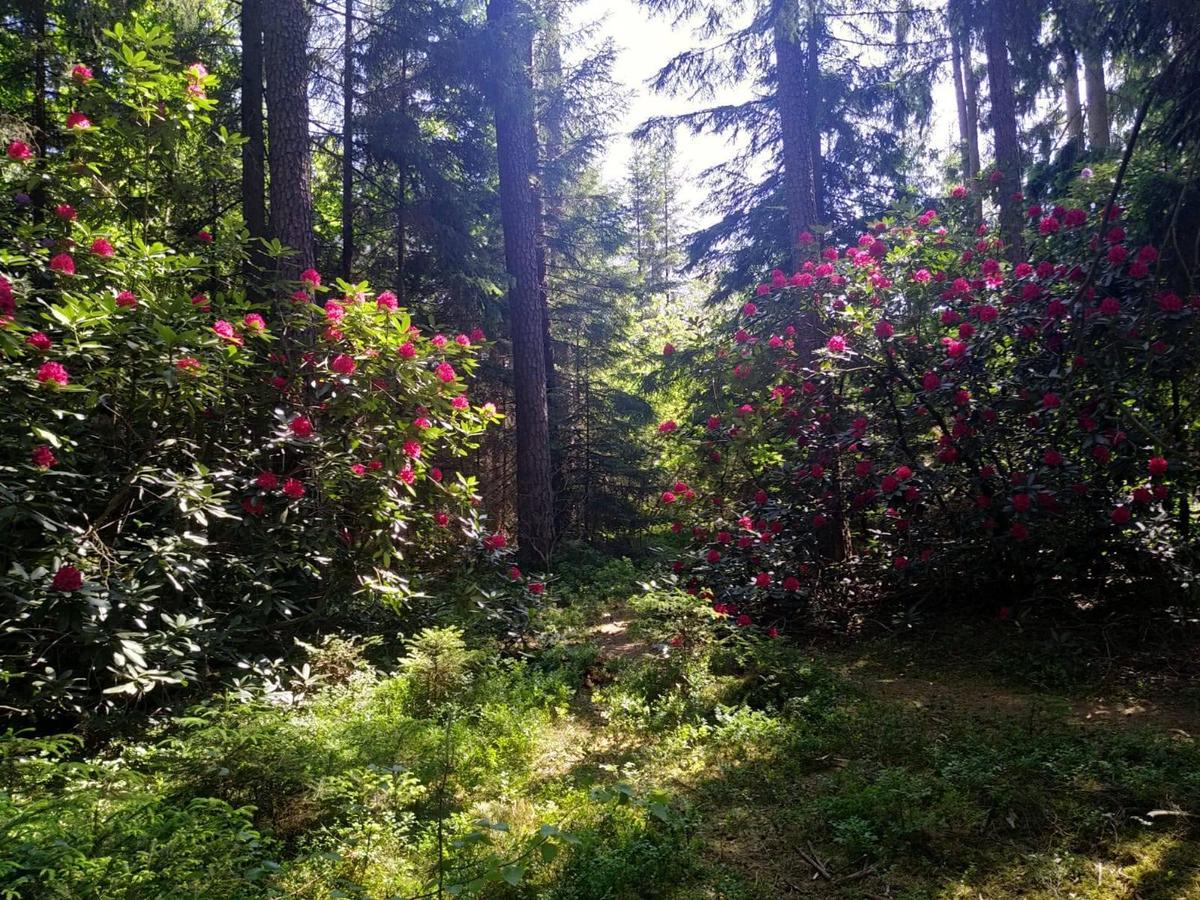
184	468
963	430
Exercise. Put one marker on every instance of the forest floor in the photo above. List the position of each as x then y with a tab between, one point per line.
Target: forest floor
977	762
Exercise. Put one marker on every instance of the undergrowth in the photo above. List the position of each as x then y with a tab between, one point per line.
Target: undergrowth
714	762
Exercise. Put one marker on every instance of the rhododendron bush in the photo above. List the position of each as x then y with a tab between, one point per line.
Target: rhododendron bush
184	468
964	429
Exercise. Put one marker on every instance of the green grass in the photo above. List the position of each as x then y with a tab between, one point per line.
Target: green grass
726	766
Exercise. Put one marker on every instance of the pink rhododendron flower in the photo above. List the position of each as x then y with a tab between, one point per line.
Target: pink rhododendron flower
188	364
77	121
311	278
53	373
19	151
836	344
407	474
63	264
667	427
81	74
268	481
387	301
445	372
43	457
301	426
102	246
225	331
343	364
254	322
39	341
294	489
127	300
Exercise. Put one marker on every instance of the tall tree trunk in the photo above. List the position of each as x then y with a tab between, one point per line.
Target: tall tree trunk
1070	88
800	170
402	194
548	200
960	102
254	182
285	58
512	86
1004	130
1097	98
971	89
348	142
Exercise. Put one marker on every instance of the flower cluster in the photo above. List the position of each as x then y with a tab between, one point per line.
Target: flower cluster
922	414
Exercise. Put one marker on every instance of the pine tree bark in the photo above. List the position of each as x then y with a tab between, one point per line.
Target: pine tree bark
254	182
548	189
285	62
968	117
348	141
1070	88
960	102
1004	131
800	169
512	87
1097	99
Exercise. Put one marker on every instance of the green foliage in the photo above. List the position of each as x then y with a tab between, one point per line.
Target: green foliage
188	470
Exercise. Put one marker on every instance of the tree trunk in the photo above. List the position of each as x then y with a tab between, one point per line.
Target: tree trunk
511	83
971	89
1097	99
348	142
1004	131
254	182
548	203
1070	87
800	169
960	102
285	58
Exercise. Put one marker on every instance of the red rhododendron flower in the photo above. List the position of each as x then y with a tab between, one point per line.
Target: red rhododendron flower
19	151
43	457
1157	465
743	620
301	426
78	121
762	580
53	373
188	364
1110	306
67	579
407	474
343	364
204	237
667	427
268	481
102	246
81	74
441	519
294	489
958	192
1121	515
930	381
253	506
537	587
497	541
63	264
900	562
127	300
39	341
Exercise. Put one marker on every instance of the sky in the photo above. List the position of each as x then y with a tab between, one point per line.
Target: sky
644	44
